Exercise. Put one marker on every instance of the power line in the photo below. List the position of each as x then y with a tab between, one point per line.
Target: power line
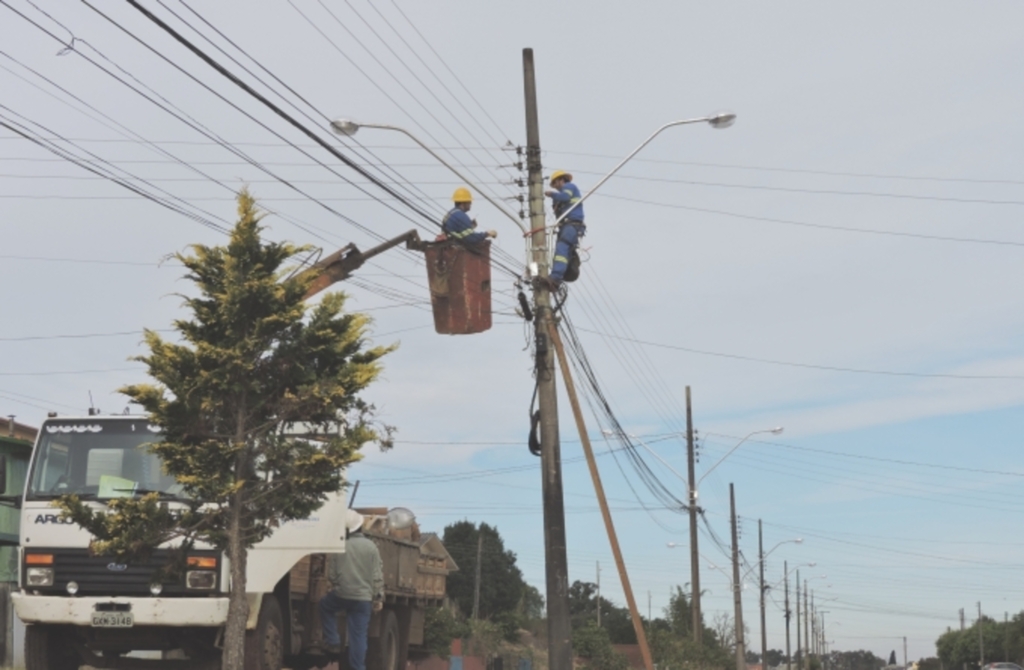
82	336
819	226
812	366
798	170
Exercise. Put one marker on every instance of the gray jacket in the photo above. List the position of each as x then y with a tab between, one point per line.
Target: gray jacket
358	574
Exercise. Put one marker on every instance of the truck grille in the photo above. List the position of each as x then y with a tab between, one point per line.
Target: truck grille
102	575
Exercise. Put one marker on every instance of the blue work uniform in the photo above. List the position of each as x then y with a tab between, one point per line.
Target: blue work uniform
457	225
570	230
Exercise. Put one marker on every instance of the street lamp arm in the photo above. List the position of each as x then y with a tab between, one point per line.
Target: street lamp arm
721	120
707	472
798	540
349	128
609	433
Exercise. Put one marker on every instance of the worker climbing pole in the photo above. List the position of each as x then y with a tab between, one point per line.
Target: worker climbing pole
568	206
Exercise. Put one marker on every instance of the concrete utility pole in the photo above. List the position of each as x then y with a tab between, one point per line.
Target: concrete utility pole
981	639
556	564
476	580
698	624
785	580
963	618
813	628
905	651
741	656
798	619
807	631
760	557
599	594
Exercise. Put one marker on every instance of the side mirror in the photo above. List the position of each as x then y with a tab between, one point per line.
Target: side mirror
3	475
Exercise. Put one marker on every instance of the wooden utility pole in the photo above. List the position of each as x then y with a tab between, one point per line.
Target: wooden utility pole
606	514
760	561
785	581
556	564
698	622
476	580
599	594
737	597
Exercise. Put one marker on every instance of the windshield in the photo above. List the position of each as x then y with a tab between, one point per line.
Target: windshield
98	458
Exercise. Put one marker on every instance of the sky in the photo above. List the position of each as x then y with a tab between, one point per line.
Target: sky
837	263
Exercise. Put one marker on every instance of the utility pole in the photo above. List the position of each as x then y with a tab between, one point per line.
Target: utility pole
741	656
760	561
556	564
814	623
698	623
807	632
962	625
981	640
801	655
599	594
476	581
1006	636
785	581
905	652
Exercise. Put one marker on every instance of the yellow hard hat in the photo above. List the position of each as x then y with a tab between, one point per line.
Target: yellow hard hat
559	173
462	194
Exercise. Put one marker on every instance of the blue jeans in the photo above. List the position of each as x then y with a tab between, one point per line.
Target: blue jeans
357	616
568	238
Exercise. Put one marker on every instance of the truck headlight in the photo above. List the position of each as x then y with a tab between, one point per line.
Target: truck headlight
39	576
200	579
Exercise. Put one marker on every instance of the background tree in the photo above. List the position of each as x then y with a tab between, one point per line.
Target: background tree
592	644
957	648
502	587
251	365
441	627
532	603
583	604
856	660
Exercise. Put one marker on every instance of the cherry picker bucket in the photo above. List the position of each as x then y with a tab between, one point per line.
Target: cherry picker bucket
460	286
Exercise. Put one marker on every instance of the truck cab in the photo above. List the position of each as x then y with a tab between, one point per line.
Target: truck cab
84	609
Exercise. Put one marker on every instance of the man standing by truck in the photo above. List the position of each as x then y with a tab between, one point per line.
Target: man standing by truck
357	588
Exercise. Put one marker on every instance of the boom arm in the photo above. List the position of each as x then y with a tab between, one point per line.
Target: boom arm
340	265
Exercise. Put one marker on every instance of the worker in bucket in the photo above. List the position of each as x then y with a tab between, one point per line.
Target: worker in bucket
357	588
565	199
457	225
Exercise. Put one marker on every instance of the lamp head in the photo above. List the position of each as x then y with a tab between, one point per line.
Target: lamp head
777	430
799	540
721	119
345	127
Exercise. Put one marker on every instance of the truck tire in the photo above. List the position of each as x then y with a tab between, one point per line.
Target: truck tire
47	649
385	652
264	645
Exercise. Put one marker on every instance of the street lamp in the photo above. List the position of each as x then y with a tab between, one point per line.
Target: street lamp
348	128
717	120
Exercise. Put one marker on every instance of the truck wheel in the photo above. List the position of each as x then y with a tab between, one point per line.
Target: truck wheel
46	649
264	645
384	652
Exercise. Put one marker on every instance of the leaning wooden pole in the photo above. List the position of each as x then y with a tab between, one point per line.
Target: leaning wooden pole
577	412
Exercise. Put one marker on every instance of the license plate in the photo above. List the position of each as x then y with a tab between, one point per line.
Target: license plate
112	620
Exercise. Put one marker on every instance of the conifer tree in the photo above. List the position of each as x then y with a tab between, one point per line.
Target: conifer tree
260	408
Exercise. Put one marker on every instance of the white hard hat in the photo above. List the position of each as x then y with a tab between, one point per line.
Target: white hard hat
353	520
